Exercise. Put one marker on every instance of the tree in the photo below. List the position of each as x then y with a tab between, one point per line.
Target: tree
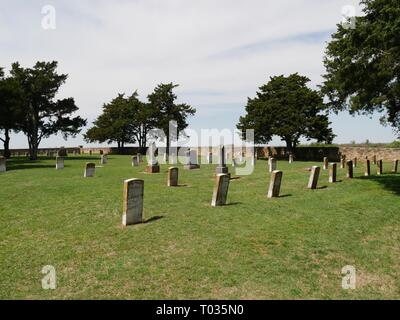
363	63
10	109
286	107
162	102
116	123
45	116
144	119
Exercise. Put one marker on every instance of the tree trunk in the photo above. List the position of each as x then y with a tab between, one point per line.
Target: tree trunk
6	142
289	145
167	149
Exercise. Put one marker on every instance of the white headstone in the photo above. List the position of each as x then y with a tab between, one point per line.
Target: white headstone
59	163
133	202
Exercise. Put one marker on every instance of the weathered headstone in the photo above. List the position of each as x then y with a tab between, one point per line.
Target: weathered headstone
395	166
103	159
272	164
367	171
209	158
275	184
173	177
379	167
133	202
253	160
220	190
222	168
325	163
89	169
3	164
234	162
313	181
349	169
290	158
191	160
59	163
355	163
343	161
153	166
332	172
135	161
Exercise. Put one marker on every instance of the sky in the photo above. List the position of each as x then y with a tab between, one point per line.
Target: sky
219	52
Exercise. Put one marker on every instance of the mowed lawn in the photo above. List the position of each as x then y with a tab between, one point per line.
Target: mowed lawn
292	247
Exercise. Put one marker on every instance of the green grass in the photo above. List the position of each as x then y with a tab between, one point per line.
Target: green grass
292	247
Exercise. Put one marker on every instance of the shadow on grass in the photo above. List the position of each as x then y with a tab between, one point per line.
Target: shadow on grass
24	164
388	181
232	204
323	187
285	195
155	218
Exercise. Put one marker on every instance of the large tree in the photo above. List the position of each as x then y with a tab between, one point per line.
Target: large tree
10	109
162	102
286	107
363	63
116	123
44	115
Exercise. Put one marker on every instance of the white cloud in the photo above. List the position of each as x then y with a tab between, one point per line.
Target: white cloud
218	51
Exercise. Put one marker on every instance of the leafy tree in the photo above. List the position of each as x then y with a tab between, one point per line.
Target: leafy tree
116	123
43	115
363	63
162	102
10	109
286	107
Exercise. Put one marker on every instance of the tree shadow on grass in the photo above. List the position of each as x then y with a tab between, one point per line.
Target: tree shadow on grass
388	181
24	164
155	218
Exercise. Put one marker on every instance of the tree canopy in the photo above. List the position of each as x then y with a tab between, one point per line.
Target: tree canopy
124	120
363	63
43	114
286	107
11	113
162	103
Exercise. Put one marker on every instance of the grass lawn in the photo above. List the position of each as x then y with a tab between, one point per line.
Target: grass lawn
292	247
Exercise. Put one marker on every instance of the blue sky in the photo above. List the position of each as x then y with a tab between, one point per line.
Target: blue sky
219	52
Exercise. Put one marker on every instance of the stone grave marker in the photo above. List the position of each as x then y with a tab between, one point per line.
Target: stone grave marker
275	184
395	166
272	164
59	163
89	169
325	163
220	190
153	166
135	161
103	159
173	177
332	172
313	181
133	202
3	164
367	168
222	168
379	167
349	169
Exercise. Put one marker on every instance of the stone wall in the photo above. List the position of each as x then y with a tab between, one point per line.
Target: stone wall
280	153
386	154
